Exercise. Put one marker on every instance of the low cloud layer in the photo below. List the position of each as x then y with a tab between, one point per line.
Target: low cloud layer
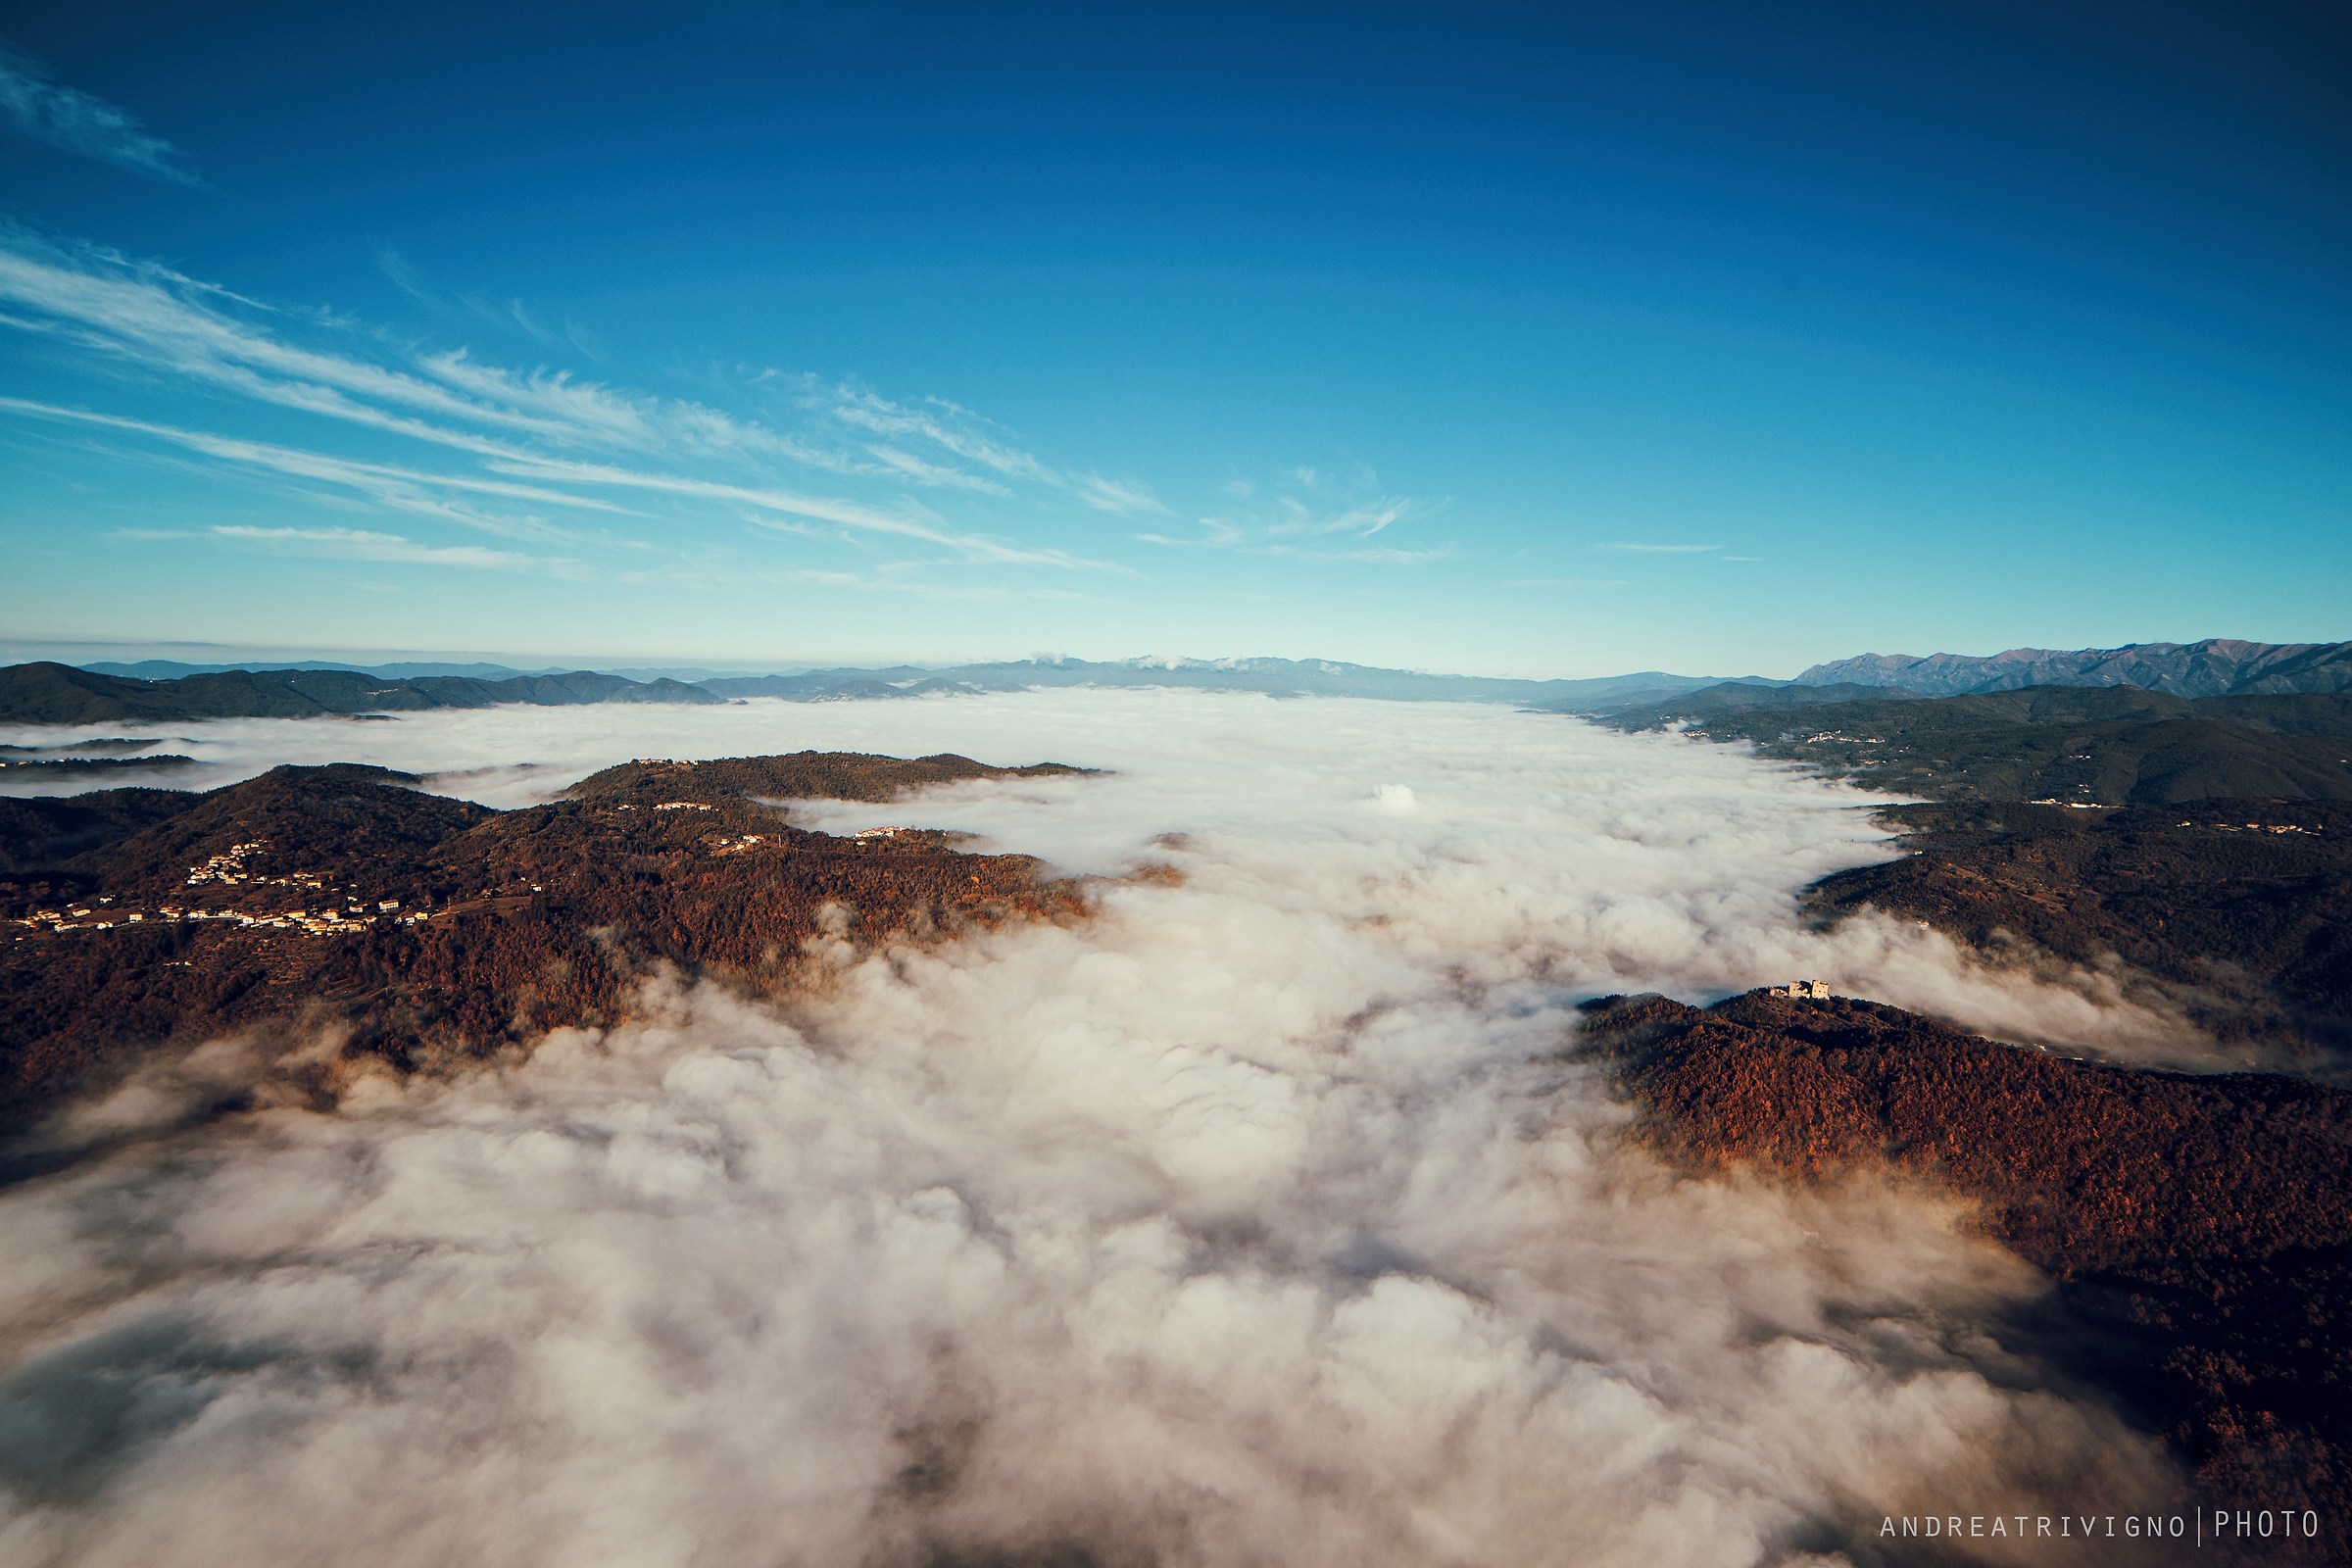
1259	1220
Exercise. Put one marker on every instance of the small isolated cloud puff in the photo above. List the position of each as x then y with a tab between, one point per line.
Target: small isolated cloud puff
78	123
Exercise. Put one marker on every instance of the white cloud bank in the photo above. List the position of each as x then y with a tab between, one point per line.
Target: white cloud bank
1256	1221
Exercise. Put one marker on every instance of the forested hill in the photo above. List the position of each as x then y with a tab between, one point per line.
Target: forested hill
60	694
2069	745
2198	841
2192	1226
798	775
418	929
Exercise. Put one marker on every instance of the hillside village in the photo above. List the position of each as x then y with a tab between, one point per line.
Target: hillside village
440	930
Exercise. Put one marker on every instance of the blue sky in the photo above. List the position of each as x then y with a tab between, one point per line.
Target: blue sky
1546	340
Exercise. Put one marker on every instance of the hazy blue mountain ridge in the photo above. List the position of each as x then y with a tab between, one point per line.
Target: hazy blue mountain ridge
2218	666
48	693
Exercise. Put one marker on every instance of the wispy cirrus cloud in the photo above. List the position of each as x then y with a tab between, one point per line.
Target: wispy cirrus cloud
1362	519
360	544
935	421
509	439
76	121
922	471
960	433
401	489
507	315
147	315
870	583
1282	524
848	515
1381	555
1631	547
1113	495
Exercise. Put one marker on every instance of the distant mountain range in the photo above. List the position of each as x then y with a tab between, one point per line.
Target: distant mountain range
60	694
64	694
402	669
2219	667
161	690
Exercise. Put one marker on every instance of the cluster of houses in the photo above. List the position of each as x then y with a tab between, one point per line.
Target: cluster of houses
721	843
228	868
1815	990
313	922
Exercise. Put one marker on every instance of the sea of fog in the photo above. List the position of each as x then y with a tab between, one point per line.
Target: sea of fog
1260	1220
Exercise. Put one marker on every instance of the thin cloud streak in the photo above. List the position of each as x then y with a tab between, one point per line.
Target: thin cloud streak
820	508
958	430
1111	495
971	593
1296	521
397	487
149	315
1660	550
360	543
1231	539
542	436
1377	555
76	121
1363	520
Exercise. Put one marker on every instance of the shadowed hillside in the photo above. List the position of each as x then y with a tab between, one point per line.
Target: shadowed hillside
2108	746
37	833
2206	844
60	694
2241	909
2195	1226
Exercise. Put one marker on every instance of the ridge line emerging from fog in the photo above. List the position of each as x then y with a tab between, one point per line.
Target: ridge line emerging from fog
104	691
50	692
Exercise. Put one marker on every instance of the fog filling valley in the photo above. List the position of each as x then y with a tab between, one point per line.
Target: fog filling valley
1261	1218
